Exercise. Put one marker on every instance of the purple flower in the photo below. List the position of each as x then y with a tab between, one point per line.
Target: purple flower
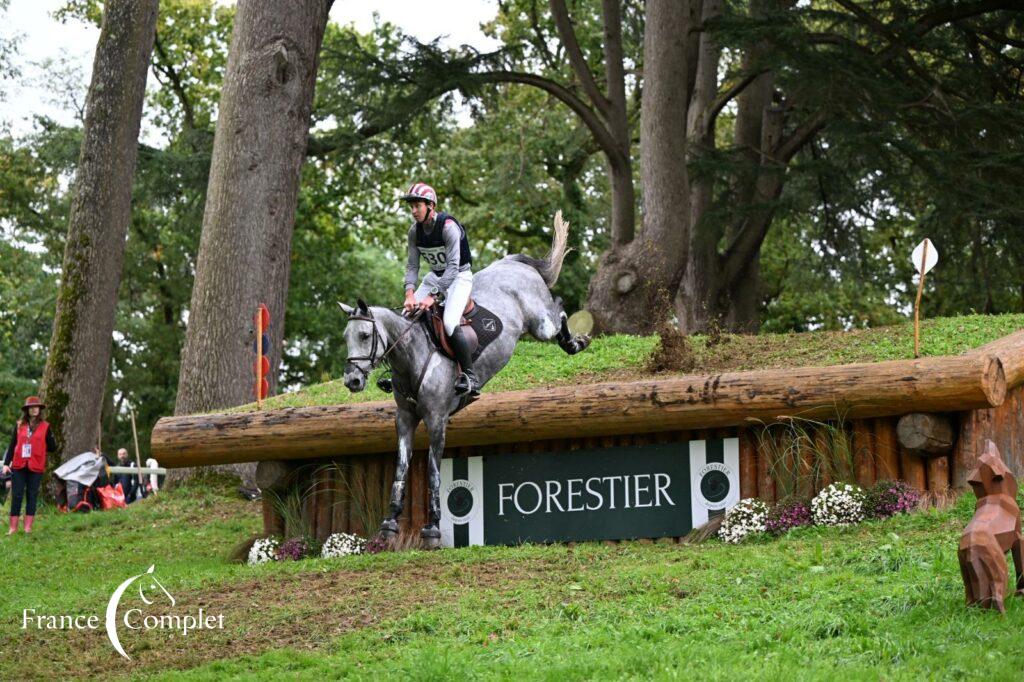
788	514
376	545
296	548
888	498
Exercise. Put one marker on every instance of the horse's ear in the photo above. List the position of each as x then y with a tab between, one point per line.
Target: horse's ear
347	308
361	304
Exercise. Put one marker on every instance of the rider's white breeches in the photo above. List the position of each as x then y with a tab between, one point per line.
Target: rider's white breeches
455	299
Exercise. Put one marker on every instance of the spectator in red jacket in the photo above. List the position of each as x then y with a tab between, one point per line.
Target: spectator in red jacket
25	459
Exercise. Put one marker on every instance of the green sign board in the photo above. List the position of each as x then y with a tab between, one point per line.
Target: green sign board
617	493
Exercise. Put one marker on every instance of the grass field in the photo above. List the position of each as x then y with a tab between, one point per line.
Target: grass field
879	601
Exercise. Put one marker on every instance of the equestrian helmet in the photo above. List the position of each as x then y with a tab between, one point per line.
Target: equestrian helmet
420	191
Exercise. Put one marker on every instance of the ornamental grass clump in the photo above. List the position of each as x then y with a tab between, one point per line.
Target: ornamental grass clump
294	549
840	504
888	498
744	519
788	514
342	544
264	550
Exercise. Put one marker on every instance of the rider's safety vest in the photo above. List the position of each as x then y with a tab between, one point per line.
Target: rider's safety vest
431	246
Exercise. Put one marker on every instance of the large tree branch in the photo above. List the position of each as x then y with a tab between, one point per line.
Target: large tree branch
539	41
726	96
804	133
576	58
771	178
594	124
164	66
395	116
946	15
705	84
898	46
615	75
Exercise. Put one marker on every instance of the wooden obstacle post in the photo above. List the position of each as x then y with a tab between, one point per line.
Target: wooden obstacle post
259	357
138	458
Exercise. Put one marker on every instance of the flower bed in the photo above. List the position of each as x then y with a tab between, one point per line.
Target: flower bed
839	504
265	550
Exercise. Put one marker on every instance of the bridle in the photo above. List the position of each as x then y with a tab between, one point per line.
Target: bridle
377	342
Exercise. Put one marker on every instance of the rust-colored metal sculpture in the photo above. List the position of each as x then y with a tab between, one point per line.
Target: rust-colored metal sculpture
994	531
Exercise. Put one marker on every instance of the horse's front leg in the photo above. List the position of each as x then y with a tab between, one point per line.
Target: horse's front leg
431	533
405	422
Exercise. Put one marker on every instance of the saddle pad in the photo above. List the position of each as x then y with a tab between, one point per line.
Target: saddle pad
485	326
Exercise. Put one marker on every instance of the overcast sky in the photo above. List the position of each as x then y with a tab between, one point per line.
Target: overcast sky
43	38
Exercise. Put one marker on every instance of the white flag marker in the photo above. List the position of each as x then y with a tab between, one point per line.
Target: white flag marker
924	258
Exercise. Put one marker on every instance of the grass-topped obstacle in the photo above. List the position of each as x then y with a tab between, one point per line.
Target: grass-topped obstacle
543	464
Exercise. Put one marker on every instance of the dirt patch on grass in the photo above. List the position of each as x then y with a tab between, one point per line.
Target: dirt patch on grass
304	611
674	352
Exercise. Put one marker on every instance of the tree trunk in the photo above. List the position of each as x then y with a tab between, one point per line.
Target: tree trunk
244	252
79	357
621	165
938	384
633	288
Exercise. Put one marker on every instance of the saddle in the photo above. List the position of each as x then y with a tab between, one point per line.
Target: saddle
479	325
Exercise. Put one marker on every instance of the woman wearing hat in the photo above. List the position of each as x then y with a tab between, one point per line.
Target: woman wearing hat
26	460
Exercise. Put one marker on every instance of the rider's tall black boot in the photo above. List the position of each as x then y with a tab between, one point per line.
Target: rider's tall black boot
466	383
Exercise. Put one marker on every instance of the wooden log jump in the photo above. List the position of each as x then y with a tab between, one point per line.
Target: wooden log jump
943	384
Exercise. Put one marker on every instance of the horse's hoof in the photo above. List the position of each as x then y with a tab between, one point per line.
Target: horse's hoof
430	537
389	527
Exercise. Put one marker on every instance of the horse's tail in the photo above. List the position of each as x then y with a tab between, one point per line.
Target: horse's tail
551	265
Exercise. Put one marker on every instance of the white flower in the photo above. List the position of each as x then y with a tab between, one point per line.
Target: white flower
263	550
744	518
838	505
343	544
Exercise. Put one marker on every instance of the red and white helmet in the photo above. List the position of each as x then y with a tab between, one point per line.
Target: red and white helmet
421	191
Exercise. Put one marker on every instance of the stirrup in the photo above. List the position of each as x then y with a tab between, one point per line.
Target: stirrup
464	385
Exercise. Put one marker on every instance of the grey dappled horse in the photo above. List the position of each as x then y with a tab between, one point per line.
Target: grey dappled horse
517	290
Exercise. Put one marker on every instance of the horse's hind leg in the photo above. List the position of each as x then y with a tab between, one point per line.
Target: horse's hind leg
553	323
567	342
405	422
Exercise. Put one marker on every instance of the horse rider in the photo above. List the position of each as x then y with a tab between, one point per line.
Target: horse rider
440	240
